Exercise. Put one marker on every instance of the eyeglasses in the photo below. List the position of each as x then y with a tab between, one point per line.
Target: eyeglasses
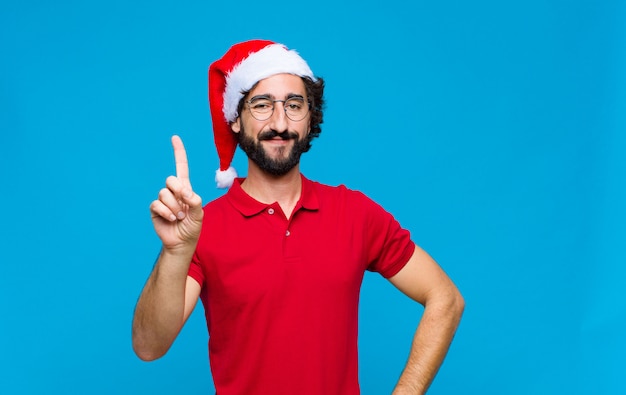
262	107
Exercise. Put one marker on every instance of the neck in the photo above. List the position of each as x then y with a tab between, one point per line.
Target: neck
268	188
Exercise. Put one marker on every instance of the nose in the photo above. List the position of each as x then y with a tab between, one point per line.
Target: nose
279	120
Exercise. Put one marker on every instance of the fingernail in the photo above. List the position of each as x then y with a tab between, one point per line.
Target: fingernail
181	215
172	217
187	193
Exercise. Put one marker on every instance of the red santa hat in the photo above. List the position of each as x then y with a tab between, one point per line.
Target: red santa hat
237	72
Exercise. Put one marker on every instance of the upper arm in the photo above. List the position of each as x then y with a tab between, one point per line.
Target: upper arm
192	293
422	278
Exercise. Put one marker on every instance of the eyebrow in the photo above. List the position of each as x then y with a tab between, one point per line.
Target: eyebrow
272	97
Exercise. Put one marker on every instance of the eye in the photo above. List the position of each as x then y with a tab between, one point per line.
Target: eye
261	105
294	104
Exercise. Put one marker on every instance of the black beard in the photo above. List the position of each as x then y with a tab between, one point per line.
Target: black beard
279	166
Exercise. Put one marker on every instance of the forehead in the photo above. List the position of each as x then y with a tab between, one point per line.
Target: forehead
279	85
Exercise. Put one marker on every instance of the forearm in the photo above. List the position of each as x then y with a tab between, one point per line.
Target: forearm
159	314
430	344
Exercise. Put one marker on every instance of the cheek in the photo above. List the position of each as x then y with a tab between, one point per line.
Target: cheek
249	127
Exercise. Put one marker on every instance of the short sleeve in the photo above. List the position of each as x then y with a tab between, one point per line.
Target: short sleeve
195	270
389	246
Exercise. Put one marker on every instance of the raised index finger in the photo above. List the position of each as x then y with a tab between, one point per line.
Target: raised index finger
180	155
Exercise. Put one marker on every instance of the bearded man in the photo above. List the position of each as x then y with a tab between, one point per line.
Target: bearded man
278	261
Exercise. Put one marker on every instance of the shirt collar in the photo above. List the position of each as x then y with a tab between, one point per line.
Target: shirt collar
248	206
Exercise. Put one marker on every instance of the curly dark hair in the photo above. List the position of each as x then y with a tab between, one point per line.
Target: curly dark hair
315	94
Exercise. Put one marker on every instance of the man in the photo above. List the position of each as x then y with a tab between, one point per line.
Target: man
278	260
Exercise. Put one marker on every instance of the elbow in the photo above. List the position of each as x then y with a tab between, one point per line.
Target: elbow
455	301
147	354
145	351
449	303
458	301
458	304
455	306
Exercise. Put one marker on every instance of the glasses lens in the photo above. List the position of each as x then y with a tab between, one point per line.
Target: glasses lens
261	108
296	108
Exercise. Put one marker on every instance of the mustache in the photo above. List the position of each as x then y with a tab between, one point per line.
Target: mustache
271	134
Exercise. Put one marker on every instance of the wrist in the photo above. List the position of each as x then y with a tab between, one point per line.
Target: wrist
176	257
177	251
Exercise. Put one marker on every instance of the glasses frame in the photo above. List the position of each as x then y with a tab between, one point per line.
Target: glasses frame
249	103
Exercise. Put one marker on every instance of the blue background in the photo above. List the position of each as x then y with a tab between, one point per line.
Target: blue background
493	130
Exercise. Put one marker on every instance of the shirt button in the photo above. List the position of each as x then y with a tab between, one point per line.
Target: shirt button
287	233
270	211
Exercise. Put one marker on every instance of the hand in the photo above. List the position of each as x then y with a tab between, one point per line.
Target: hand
177	213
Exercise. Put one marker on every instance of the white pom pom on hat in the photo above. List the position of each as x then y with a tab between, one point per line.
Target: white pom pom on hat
225	178
237	72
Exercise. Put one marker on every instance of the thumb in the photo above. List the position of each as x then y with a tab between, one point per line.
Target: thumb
194	201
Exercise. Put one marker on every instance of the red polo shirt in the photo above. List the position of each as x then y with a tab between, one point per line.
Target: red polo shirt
281	295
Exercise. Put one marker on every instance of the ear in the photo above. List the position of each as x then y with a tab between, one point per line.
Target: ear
236	126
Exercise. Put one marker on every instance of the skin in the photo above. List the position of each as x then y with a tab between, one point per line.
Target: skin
169	296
